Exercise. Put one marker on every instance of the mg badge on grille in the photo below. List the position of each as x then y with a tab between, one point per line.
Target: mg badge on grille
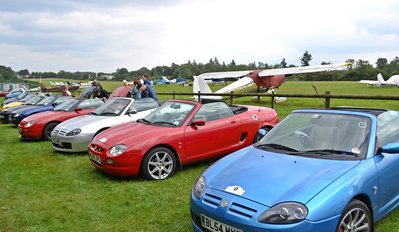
103	140
224	203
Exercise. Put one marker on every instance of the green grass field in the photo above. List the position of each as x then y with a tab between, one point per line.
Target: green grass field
43	190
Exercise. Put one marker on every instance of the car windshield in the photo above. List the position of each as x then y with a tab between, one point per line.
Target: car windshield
326	135
34	100
113	107
22	95
388	127
169	114
66	105
47	100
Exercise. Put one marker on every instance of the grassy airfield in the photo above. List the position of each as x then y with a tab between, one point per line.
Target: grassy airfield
43	190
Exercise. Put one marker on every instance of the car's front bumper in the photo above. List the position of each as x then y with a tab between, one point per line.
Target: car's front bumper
30	133
243	214
77	143
123	165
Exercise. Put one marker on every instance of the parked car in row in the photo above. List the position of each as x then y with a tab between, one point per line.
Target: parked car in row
177	133
29	103
74	135
48	103
40	126
318	170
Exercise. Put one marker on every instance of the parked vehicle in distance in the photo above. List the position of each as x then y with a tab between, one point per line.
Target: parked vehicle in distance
48	103
318	170
74	135
31	102
40	126
15	92
177	133
15	101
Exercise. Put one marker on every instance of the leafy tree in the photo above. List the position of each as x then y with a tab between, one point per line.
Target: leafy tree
305	59
381	63
283	64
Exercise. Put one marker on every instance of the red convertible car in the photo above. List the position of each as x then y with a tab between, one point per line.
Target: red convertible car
38	126
177	133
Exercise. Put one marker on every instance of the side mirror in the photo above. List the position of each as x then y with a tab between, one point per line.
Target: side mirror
133	111
262	133
77	110
391	148
198	123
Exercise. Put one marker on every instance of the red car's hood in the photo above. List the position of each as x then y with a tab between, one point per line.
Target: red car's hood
134	133
55	115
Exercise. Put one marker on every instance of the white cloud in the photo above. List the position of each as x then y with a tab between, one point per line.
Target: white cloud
95	36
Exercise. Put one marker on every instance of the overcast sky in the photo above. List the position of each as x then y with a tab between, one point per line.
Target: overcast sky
102	36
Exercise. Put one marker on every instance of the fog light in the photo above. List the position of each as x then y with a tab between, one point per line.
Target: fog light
110	161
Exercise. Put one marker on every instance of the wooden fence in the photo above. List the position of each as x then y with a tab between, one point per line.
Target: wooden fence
327	96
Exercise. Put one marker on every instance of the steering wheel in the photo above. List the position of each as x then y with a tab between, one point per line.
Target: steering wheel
304	138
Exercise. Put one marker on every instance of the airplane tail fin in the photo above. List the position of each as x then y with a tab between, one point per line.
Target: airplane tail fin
200	85
165	80
380	79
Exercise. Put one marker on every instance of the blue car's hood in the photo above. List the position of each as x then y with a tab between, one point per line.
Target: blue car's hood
37	109
270	178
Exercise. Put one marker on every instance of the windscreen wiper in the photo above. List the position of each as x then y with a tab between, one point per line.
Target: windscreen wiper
144	120
323	152
275	146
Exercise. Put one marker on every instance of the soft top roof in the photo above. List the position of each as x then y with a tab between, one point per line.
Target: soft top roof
374	111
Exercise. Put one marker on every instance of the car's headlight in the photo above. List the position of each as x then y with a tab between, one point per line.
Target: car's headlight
199	187
117	150
74	132
284	213
30	123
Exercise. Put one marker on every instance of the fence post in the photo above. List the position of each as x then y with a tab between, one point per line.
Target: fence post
199	96
328	100
231	98
273	101
173	95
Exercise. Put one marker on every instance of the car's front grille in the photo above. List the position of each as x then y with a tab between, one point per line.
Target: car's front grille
60	132
212	200
96	148
63	145
241	211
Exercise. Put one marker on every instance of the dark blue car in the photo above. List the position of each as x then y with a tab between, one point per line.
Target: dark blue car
317	170
47	104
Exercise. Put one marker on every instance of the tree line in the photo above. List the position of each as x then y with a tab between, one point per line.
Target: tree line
357	70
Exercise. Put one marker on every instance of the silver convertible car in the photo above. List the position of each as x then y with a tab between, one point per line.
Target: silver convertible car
74	135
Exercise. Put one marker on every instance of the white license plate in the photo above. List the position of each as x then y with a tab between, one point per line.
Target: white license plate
95	158
1	116
216	226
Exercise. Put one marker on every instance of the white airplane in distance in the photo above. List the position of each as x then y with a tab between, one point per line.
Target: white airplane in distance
179	80
392	81
265	80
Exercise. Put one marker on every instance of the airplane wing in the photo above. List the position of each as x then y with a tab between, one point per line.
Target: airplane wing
369	82
304	69
225	75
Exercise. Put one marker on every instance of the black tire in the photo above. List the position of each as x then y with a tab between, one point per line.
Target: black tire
48	129
158	164
356	217
257	137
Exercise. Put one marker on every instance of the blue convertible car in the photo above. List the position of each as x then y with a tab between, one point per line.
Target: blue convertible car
318	170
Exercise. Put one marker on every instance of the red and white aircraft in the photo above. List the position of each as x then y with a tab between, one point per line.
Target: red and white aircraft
265	79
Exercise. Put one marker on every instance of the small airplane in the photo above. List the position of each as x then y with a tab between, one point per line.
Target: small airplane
266	80
179	80
392	81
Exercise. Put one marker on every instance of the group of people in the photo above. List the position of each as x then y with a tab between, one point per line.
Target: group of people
142	88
